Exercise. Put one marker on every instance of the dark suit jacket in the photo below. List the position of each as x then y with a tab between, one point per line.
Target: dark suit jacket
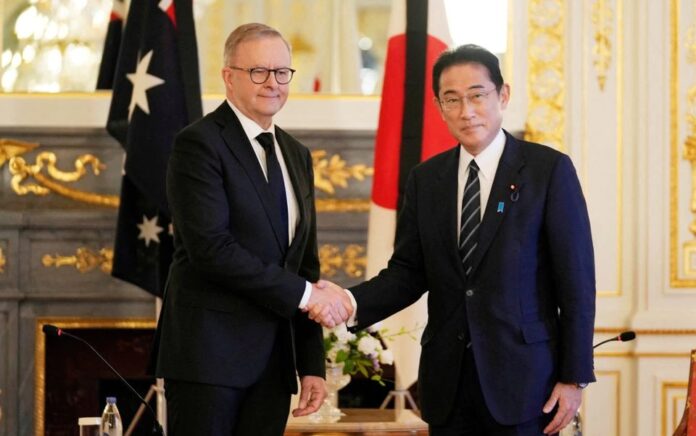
232	291
528	305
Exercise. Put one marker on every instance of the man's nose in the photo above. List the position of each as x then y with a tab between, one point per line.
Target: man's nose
271	81
467	110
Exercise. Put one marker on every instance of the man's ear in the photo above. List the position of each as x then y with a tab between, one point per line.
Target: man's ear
504	95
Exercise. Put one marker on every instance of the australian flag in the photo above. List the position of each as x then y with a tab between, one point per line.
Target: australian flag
156	92
112	44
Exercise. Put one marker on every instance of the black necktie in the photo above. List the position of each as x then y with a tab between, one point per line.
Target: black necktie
471	217
276	184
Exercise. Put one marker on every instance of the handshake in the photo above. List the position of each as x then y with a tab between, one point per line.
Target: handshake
329	304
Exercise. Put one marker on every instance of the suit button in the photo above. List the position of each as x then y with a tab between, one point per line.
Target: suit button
469	292
460	336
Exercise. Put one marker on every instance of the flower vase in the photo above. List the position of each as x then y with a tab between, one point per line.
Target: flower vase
335	380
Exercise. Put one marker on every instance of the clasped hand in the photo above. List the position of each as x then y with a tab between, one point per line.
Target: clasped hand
329	304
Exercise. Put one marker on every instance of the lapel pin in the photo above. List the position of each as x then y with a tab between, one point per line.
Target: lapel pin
514	193
501	206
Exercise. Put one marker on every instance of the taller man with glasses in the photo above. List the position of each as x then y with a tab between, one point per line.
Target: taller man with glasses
497	230
232	335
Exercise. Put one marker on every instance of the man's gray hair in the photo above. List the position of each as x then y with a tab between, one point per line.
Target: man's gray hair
246	32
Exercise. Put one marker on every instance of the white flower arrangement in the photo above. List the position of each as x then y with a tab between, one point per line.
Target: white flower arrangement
361	352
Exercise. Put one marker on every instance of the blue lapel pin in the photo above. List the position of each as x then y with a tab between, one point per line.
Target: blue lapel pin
501	206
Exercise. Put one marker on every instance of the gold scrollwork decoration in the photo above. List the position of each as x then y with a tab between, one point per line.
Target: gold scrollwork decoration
84	260
333	171
602	19
689	247
342	205
21	171
10	148
351	261
3	261
546	121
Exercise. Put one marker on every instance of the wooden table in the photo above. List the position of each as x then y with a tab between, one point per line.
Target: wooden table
362	422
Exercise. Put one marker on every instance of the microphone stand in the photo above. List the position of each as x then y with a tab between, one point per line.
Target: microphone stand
55	331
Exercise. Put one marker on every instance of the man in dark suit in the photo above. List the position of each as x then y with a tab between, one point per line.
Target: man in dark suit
497	230
232	336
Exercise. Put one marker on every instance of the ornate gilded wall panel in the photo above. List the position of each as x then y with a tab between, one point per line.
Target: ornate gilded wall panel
546	73
672	402
683	145
603	403
602	26
43	174
599	132
8	260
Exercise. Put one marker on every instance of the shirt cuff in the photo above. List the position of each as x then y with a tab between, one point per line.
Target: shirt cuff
305	297
353	320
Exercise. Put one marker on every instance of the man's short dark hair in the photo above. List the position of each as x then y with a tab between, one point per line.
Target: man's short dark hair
465	54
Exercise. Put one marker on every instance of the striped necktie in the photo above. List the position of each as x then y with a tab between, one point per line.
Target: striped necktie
471	217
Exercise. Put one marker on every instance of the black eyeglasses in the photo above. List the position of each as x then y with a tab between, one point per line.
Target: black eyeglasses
259	75
475	99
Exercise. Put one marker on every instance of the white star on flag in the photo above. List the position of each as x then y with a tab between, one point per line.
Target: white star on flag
149	230
142	81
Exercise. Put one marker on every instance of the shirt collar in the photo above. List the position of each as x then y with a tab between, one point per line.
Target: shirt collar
488	159
250	127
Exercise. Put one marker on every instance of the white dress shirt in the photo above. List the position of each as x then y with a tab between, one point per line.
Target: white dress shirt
487	162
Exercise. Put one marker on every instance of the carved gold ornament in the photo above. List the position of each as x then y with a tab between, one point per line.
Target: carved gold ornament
333	171
602	19
342	205
545	119
352	261
3	261
10	148
21	171
689	247
84	260
329	173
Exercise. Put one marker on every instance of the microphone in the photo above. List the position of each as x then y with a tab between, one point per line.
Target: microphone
51	330
623	337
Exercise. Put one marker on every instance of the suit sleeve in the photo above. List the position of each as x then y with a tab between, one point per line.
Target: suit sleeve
403	281
570	242
200	212
309	341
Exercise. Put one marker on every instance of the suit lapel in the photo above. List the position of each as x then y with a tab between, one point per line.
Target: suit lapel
295	164
238	143
506	175
445	200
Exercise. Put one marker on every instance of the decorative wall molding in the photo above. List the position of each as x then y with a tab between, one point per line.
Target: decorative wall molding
10	148
22	171
333	171
602	20
330	173
84	260
352	261
342	205
672	393
546	73
682	248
